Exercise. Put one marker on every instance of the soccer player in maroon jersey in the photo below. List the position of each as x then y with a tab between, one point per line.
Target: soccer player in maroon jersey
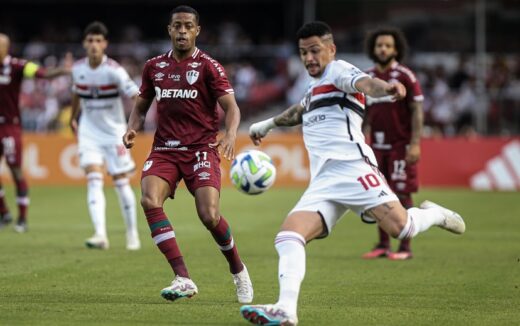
394	128
187	85
12	72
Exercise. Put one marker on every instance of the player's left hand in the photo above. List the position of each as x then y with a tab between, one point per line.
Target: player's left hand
397	90
226	146
413	153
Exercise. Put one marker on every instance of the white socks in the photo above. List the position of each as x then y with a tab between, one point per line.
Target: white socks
420	220
96	202
127	203
291	268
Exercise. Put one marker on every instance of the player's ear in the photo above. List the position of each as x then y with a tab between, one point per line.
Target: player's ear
332	48
198	30
169	28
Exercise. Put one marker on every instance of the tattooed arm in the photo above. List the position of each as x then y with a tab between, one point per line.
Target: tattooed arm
288	118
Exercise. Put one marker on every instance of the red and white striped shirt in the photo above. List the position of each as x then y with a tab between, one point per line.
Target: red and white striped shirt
102	117
332	117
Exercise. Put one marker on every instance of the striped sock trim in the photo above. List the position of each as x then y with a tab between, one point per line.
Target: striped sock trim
121	182
408	231
289	236
95	176
22	200
227	247
163	237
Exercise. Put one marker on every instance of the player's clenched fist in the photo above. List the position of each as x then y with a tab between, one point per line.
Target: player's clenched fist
259	130
129	138
397	90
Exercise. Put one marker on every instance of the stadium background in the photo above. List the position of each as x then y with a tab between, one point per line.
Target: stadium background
465	53
48	277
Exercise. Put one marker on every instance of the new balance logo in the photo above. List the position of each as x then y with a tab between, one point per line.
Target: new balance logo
382	193
502	172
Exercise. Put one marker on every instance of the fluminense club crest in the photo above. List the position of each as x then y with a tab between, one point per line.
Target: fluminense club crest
147	165
192	76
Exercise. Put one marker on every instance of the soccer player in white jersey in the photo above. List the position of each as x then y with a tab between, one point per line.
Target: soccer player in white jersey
98	83
344	175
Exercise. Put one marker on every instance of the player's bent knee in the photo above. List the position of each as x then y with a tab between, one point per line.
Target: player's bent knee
148	202
209	218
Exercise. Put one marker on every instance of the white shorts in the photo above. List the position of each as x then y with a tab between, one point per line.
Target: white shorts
116	156
342	185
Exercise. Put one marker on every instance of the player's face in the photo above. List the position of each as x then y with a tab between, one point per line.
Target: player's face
183	31
384	49
95	44
316	53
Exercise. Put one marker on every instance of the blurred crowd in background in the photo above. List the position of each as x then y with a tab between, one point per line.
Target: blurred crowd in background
262	61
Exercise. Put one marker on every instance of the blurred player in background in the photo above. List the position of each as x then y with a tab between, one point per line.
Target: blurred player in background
394	127
343	169
187	84
98	84
12	73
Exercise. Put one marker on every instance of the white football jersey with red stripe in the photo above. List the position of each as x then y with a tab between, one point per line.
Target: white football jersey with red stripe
332	116
102	118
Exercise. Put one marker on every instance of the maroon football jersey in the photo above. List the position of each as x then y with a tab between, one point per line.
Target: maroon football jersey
11	76
186	93
391	121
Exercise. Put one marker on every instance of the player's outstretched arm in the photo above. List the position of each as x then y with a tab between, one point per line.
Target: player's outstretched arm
226	145
376	87
64	69
136	120
288	118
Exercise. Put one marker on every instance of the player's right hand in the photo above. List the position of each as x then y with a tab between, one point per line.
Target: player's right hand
129	138
259	130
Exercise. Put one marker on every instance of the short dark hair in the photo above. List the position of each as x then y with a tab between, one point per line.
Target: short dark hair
400	42
315	28
186	9
97	28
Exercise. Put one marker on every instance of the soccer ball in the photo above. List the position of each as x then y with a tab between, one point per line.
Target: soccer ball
252	172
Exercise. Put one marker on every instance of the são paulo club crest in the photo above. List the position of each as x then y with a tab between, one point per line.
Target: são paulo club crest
192	76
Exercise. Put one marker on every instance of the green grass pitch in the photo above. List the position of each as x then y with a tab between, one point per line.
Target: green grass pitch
48	277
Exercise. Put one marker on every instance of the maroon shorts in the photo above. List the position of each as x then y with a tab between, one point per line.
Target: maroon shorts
197	167
11	144
401	176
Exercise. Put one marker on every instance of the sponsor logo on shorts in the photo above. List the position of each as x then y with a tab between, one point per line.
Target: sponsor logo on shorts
147	165
400	185
382	194
164	148
204	175
172	143
201	164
